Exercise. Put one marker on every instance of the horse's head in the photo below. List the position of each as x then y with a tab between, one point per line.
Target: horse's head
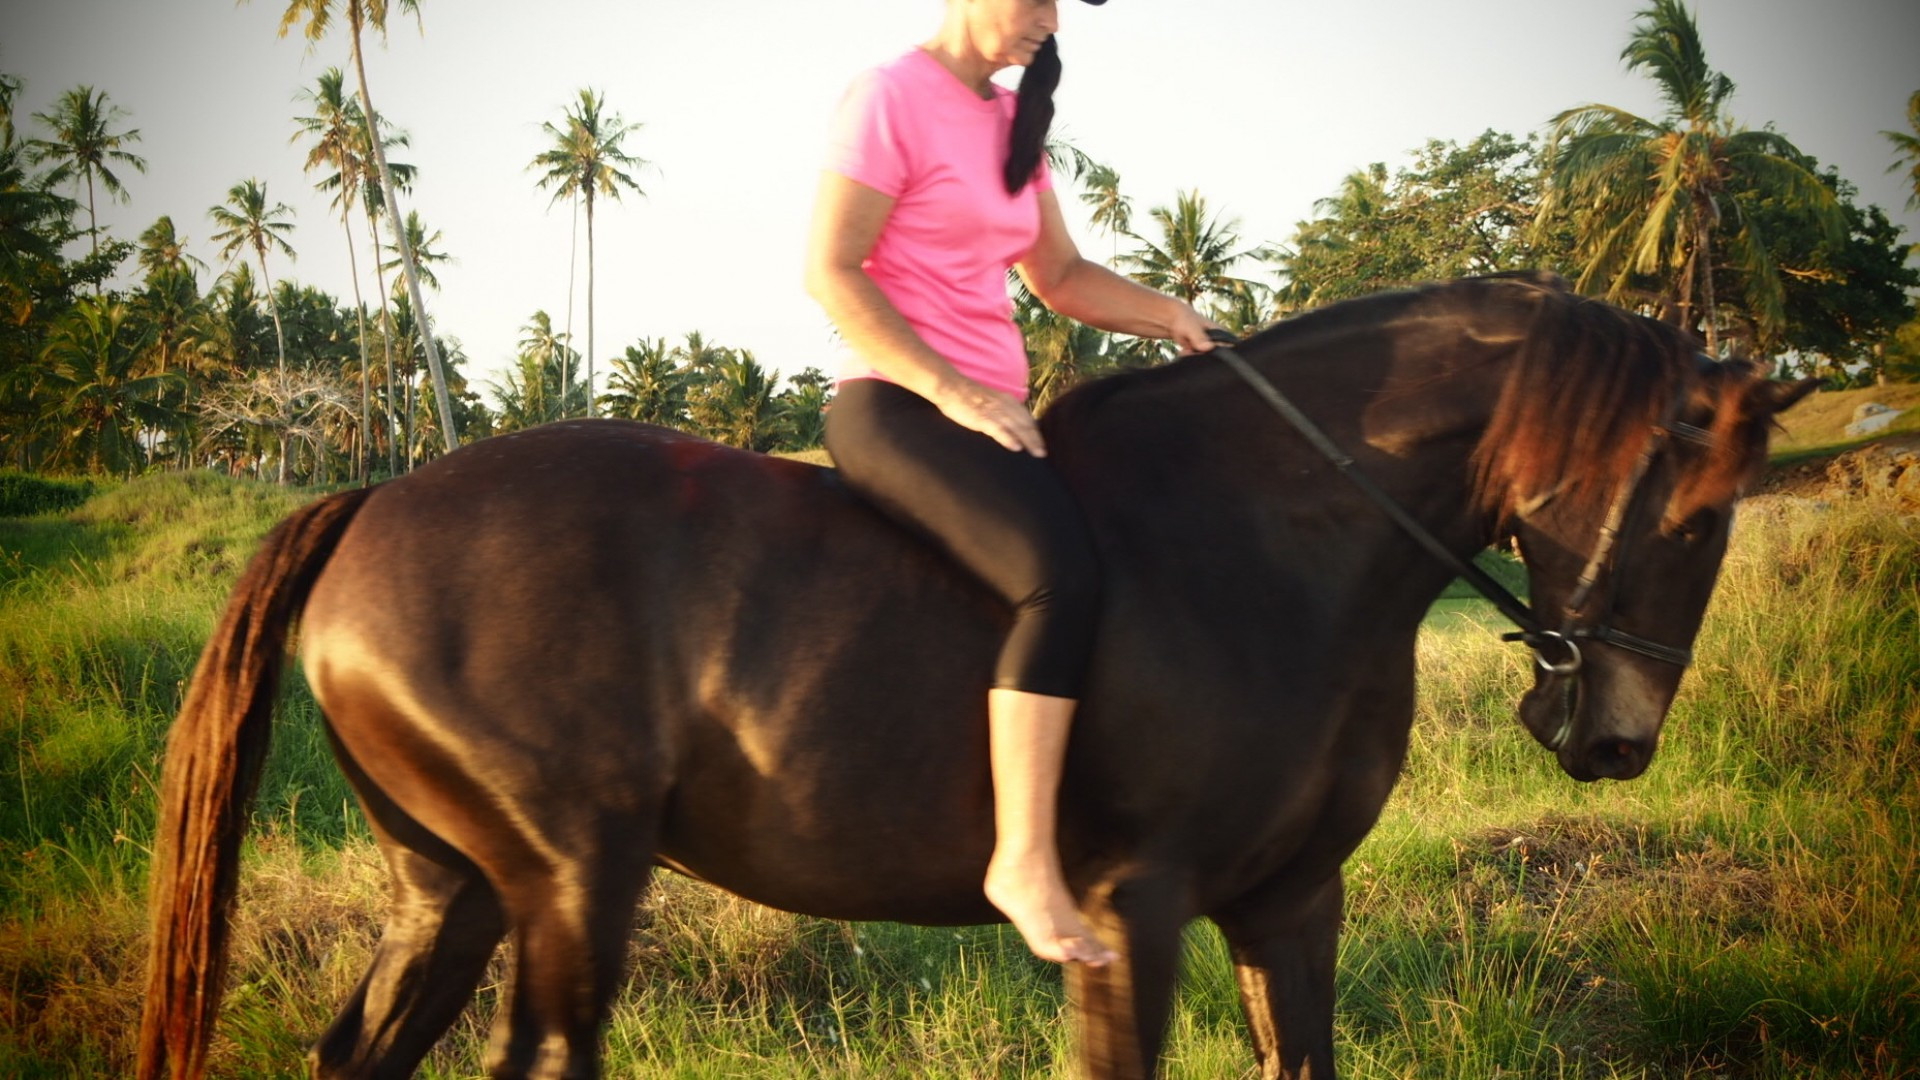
1617	482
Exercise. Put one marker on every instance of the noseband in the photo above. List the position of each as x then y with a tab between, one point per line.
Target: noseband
1532	631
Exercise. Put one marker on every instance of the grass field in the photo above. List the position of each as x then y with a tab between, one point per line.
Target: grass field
1747	909
1817	426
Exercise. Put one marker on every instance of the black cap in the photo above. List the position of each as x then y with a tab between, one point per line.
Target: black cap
1096	1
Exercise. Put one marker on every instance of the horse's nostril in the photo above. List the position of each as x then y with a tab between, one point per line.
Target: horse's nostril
1618	759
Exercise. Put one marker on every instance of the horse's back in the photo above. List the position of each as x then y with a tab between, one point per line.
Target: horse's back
603	617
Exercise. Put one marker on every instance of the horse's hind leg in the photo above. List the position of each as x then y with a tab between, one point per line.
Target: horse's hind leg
572	921
442	927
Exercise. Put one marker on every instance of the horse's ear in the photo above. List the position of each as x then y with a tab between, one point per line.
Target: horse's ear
1772	397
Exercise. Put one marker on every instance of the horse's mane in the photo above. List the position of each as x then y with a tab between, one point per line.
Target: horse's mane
1586	386
1590	385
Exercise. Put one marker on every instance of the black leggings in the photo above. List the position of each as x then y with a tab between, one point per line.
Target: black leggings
1004	515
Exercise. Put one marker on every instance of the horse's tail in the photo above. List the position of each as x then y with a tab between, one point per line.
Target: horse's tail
214	756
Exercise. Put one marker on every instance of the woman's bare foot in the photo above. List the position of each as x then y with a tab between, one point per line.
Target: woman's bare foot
1033	896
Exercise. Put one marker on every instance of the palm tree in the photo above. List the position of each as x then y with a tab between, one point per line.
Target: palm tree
97	396
318	16
171	299
374	204
1646	196
83	147
163	248
736	405
9	89
1111	210
586	159
1906	144
646	386
336	131
540	389
248	223
231	335
35	222
1196	256
1064	352
413	237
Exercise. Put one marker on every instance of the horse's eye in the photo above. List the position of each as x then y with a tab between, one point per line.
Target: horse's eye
1692	528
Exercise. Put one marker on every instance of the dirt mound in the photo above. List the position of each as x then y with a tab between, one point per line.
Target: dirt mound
1888	470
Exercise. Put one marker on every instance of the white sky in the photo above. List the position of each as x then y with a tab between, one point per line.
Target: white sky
1262	105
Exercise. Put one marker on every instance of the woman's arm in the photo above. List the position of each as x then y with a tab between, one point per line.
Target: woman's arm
1090	293
847	219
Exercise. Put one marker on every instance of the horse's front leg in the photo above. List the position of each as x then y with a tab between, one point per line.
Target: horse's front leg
1123	1007
1283	947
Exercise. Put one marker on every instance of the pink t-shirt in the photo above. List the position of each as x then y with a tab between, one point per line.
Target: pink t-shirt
911	130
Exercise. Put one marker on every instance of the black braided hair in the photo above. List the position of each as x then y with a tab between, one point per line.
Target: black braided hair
1032	116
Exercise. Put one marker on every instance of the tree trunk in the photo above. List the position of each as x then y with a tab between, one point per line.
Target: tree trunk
400	233
93	226
573	251
386	347
363	461
1703	253
280	343
589	300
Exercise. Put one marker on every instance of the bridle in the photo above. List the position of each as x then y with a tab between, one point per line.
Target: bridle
1573	628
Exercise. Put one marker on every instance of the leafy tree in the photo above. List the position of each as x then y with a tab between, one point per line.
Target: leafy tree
646	385
1843	298
319	331
163	248
169	301
735	403
802	420
84	148
585	159
1906	145
1196	256
1455	211
238	333
1649	196
35	224
96	396
247	223
541	387
1061	352
1111	210
9	89
1900	360
318	16
425	248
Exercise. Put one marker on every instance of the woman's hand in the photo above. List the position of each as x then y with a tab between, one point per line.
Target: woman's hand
1188	329
993	413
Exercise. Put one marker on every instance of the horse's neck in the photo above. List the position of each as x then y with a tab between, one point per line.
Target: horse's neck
1194	461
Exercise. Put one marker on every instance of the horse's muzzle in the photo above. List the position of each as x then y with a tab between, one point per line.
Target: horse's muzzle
1611	757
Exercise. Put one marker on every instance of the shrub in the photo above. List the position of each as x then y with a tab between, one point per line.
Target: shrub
24	495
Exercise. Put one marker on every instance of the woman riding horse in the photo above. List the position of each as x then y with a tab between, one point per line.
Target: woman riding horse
936	183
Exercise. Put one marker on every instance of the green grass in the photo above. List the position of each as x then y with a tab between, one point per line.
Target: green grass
1744	910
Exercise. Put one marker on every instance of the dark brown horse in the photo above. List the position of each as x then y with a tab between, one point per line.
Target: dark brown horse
557	658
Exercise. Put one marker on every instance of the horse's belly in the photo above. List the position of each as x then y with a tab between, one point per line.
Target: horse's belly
854	847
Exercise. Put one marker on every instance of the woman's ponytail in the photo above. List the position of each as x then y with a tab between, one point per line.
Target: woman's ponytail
1032	116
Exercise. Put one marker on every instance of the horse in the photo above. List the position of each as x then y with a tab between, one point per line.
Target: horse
555	659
